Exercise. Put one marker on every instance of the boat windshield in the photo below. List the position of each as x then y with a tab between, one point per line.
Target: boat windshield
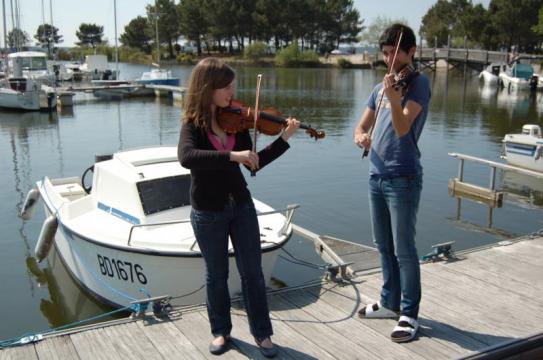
164	193
33	63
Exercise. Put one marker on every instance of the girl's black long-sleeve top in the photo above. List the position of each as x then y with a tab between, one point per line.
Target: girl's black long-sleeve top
214	178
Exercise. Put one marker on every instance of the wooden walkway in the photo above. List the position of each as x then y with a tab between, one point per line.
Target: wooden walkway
484	298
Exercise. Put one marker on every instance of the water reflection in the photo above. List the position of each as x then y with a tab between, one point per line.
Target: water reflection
524	189
65	302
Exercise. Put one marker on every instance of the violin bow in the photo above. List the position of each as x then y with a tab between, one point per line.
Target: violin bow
399	39
258	81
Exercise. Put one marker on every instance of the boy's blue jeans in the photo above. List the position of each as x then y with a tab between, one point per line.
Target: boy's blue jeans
211	229
394	203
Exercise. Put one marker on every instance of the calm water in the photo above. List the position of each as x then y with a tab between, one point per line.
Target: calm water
328	178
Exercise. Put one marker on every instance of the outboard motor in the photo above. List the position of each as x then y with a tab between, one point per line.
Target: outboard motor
534	79
106	75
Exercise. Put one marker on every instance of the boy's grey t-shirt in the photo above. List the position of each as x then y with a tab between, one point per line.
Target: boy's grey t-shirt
390	155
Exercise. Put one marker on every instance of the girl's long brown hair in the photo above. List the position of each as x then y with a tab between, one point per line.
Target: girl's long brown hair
208	75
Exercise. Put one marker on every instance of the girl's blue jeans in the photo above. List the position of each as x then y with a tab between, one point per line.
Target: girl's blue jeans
212	229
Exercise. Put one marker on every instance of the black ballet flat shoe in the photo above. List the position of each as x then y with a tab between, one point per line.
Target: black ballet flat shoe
267	352
220	349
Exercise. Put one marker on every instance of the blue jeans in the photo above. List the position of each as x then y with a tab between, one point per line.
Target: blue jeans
211	229
394	203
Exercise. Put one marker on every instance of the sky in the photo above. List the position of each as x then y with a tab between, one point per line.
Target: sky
69	14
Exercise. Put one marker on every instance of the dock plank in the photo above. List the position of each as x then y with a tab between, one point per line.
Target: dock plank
60	347
291	343
345	321
461	330
478	298
426	346
492	273
94	345
25	352
312	328
131	342
169	341
196	328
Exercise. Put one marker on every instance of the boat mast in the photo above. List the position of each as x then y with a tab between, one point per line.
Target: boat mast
116	47
156	33
5	28
51	33
44	33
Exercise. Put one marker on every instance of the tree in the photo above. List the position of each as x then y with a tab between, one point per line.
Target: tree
89	35
163	14
47	35
344	23
192	21
439	22
514	21
136	34
373	32
17	38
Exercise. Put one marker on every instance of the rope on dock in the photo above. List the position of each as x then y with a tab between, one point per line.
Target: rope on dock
301	262
33	337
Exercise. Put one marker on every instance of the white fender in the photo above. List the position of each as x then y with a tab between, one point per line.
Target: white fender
30	204
47	236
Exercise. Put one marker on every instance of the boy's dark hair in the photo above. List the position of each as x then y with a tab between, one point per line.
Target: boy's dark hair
390	36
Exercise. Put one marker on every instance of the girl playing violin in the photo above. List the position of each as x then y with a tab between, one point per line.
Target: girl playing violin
396	179
222	206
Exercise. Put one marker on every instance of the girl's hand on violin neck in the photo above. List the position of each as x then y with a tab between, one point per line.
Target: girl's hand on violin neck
246	157
362	140
292	126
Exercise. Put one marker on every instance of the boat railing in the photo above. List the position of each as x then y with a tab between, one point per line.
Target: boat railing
289	212
490	196
494	165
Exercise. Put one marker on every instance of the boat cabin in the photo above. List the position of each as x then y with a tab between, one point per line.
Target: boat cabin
32	63
522	71
531	130
140	185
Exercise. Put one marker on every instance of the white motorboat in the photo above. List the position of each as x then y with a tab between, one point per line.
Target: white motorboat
519	77
490	75
525	149
96	67
20	94
158	77
129	235
33	65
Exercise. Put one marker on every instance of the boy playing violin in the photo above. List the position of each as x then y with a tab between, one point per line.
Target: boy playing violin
395	181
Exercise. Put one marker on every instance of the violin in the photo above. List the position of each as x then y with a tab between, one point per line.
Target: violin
238	117
403	77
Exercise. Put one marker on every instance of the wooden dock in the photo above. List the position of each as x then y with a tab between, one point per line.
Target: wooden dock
486	300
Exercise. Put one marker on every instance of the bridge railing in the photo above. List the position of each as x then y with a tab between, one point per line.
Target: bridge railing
466	55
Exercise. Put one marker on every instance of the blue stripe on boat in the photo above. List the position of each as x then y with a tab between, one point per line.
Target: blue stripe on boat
118	213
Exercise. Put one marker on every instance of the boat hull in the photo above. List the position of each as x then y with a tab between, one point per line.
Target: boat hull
10	99
524	155
117	277
488	77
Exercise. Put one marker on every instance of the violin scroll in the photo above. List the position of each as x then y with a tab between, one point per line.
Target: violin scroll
317	134
404	77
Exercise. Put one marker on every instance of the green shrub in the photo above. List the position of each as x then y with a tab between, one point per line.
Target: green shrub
255	50
291	56
133	55
344	63
188	59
